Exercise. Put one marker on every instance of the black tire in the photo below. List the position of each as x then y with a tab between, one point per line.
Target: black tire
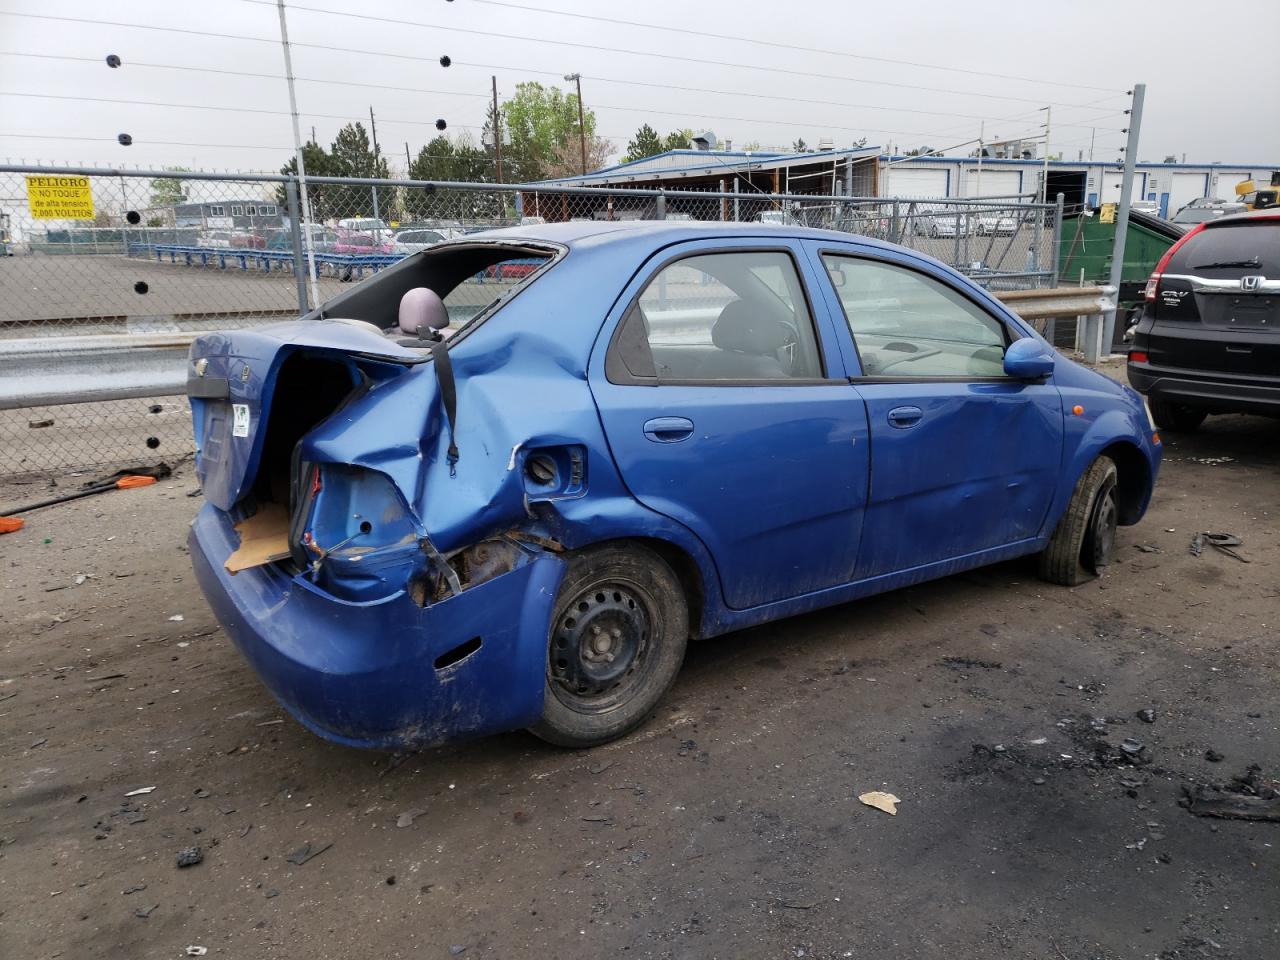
616	644
1176	417
1085	539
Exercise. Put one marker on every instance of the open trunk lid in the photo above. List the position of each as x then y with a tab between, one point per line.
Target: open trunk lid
235	385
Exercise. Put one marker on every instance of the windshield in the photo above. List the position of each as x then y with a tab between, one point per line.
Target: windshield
1230	250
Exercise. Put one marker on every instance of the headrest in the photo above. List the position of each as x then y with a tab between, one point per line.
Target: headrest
422	309
741	328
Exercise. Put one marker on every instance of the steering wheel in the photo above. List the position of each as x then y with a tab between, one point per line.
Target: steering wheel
786	354
911	358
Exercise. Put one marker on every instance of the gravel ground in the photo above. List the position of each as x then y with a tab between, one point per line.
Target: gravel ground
728	826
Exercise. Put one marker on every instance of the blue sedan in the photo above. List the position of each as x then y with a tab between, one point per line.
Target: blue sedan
502	483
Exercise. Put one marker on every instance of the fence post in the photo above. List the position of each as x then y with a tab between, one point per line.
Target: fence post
661	205
295	236
376	214
1122	214
893	223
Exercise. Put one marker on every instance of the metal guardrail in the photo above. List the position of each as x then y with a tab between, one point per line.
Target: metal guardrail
40	371
1045	304
44	371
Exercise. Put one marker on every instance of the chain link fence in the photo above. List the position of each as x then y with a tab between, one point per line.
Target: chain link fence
130	255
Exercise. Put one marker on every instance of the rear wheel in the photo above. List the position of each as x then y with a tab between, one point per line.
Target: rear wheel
1085	539
1177	417
617	641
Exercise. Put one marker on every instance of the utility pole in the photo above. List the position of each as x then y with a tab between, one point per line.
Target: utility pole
1093	132
1122	215
373	132
313	133
297	149
407	162
497	131
1044	175
582	125
982	132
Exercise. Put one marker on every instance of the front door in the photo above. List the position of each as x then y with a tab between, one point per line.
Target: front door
722	414
963	458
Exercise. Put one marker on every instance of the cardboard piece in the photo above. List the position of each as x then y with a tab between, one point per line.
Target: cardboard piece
264	538
881	801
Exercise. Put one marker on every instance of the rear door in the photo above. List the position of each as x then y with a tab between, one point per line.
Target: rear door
963	458
726	405
1217	307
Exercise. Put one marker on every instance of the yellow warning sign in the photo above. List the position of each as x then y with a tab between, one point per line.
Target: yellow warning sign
60	198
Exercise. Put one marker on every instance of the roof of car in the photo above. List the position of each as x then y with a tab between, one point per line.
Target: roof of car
660	232
1270	213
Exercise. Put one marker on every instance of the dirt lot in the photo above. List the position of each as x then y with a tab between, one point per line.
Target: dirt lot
729	826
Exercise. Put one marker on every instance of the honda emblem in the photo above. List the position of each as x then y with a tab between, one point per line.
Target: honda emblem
1251	283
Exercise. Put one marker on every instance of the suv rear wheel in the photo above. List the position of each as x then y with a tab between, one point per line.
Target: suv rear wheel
1177	417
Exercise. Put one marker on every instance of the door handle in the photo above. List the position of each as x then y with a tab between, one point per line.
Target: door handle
903	417
668	429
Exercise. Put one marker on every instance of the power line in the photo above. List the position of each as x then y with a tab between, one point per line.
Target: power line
636	83
785	46
394	21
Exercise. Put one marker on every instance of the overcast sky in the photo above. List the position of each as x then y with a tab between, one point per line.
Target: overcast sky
1208	90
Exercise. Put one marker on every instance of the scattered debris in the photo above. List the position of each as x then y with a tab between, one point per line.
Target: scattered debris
1131	747
39	743
959	663
1213	756
143	912
139	791
195	950
189	856
136	888
1146	715
457	950
1147	548
406	819
108	676
881	801
1222	542
201	793
177	618
1250	797
272	893
307	852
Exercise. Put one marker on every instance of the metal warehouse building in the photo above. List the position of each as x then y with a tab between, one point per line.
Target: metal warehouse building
867	172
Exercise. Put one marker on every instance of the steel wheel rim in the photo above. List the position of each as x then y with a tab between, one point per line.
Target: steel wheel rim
600	646
1103	529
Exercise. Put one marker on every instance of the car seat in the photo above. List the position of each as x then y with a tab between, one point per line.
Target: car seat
748	345
421	312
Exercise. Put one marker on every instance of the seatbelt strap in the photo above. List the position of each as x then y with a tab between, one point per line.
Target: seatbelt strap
449	396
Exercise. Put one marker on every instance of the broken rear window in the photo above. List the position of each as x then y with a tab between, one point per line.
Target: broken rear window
472	278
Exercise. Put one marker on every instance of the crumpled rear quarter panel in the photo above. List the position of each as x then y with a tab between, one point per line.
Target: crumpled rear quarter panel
364	674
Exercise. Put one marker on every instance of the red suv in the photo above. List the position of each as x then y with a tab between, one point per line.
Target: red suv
1209	338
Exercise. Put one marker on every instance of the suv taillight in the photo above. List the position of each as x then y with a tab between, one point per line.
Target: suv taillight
1153	282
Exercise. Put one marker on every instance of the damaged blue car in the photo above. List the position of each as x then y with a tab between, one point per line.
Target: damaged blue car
502	483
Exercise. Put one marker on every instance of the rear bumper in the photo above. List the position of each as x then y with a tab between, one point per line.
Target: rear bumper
1216	392
364	674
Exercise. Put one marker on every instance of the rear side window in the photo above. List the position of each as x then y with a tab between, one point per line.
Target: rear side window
1230	251
721	317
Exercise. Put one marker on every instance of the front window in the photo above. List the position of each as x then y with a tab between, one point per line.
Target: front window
907	325
722	317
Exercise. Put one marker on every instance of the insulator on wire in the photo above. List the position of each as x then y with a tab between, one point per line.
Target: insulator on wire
113	61
124	140
446	60
440	124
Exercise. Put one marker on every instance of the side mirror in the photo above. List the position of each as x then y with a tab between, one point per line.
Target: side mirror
1028	359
